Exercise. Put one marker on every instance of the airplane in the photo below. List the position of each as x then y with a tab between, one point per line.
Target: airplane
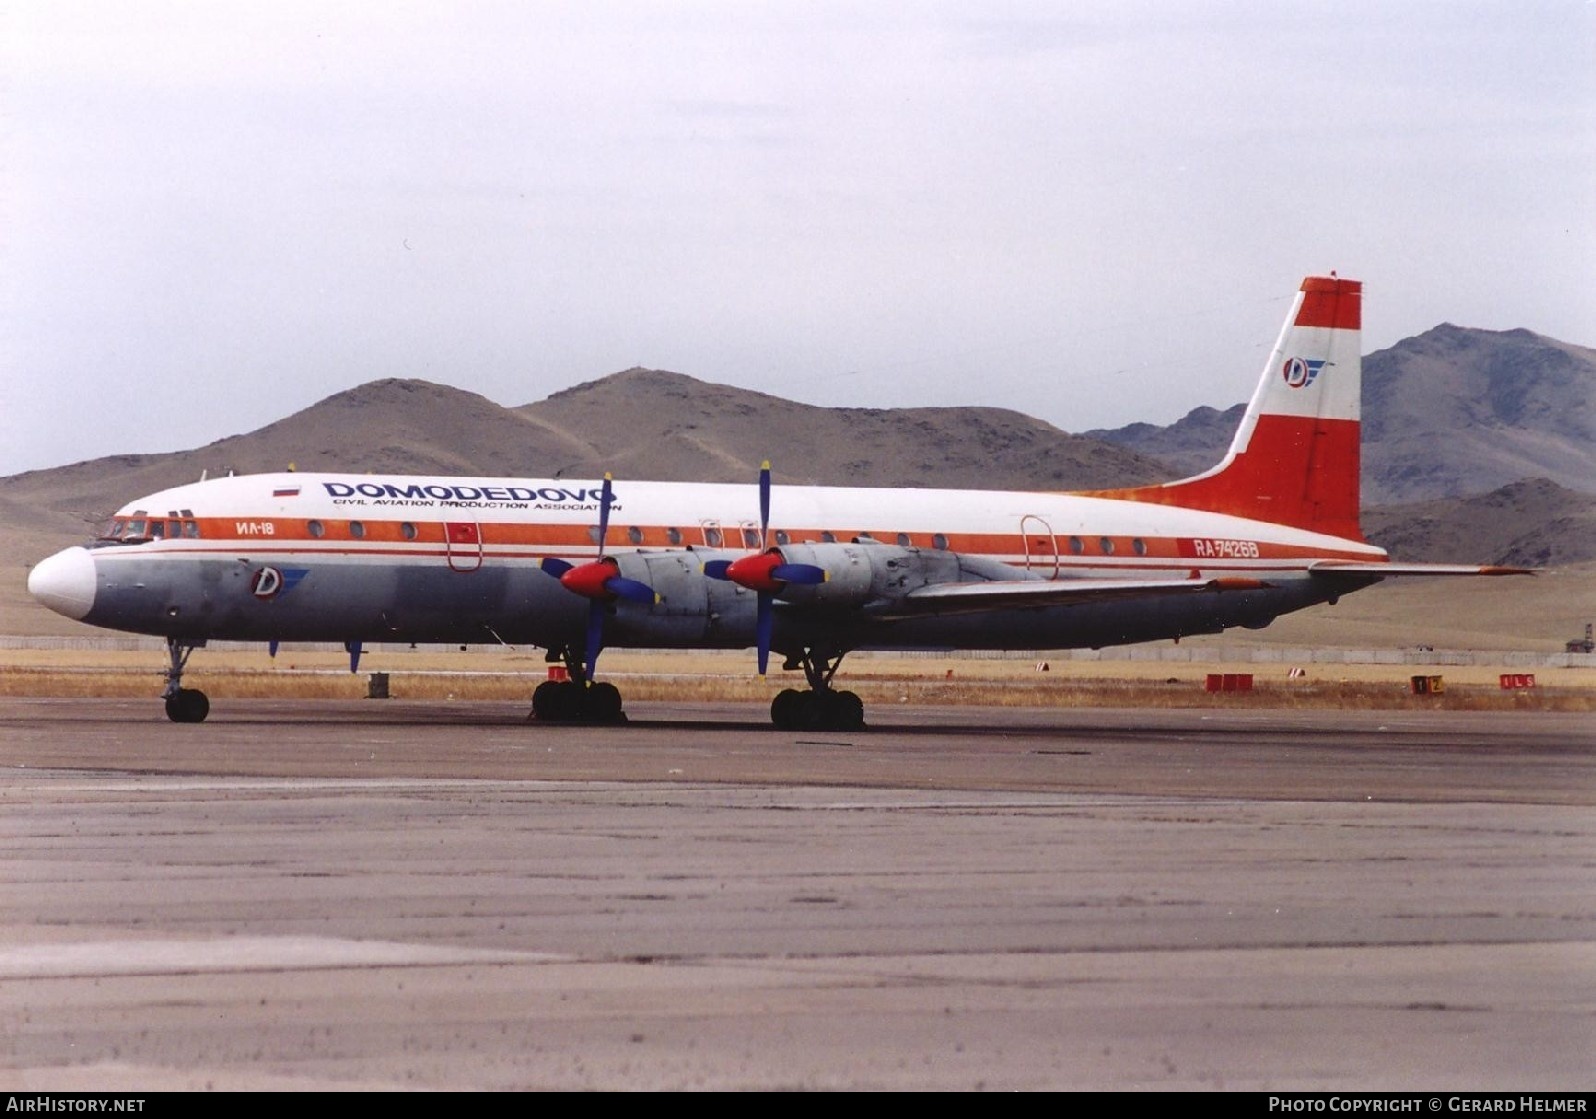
810	573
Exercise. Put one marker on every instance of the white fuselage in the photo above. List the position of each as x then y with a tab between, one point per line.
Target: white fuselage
367	557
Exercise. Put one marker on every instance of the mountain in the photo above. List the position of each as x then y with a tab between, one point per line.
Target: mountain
1190	445
389	425
1451	412
1530	523
648	423
641	423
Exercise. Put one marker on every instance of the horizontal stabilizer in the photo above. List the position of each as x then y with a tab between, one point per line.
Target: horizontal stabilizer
1350	567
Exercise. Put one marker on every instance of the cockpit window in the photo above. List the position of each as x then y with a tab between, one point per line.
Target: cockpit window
139	528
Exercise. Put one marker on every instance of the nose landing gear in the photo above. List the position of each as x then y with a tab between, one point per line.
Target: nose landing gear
183	705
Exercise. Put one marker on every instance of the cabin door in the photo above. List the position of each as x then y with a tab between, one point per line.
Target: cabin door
1041	546
463	541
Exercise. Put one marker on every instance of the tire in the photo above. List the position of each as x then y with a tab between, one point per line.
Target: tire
846	711
601	703
788	709
556	701
187	705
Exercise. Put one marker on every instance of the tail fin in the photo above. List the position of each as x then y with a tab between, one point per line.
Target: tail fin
1295	457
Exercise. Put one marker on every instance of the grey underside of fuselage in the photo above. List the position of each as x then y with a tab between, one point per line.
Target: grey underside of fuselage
522	605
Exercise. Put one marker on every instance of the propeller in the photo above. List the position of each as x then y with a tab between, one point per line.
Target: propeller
766	573
599	581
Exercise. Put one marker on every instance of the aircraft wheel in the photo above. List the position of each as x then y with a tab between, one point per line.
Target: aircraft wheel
846	711
601	703
835	711
789	709
557	701
544	700
187	705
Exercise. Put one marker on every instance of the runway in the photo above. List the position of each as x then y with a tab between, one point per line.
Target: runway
390	895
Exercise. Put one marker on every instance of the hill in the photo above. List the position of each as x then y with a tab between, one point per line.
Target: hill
1448	413
1530	523
641	423
648	423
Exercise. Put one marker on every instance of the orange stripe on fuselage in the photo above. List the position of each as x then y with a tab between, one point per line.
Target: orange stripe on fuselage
516	540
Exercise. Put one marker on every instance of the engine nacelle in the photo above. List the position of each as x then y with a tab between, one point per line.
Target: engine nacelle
862	575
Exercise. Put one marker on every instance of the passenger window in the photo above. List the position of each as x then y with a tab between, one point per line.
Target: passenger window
828	537
674	535
783	538
1077	545
750	538
356	529
634	534
712	537
903	540
939	542
1105	545
1139	546
316	529
407	530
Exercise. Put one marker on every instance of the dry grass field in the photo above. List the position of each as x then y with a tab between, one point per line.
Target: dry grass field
880	679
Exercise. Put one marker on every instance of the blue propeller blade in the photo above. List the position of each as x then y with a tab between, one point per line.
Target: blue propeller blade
631	590
805	574
764	503
606	492
763	620
595	635
762	631
716	569
595	610
555	567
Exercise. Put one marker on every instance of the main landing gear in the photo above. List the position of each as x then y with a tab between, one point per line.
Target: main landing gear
576	699
822	707
183	705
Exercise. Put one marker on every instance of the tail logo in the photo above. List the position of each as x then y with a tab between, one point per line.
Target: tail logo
1301	372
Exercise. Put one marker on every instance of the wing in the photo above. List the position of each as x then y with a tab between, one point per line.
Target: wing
967	598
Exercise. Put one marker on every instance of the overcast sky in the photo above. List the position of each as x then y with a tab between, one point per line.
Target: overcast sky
215	214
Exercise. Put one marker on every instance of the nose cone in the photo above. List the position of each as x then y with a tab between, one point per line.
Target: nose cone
64	582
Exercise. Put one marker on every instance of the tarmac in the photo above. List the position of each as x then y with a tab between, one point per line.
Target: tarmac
354	895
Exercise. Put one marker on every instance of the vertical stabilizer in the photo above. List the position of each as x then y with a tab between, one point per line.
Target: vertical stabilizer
1295	457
